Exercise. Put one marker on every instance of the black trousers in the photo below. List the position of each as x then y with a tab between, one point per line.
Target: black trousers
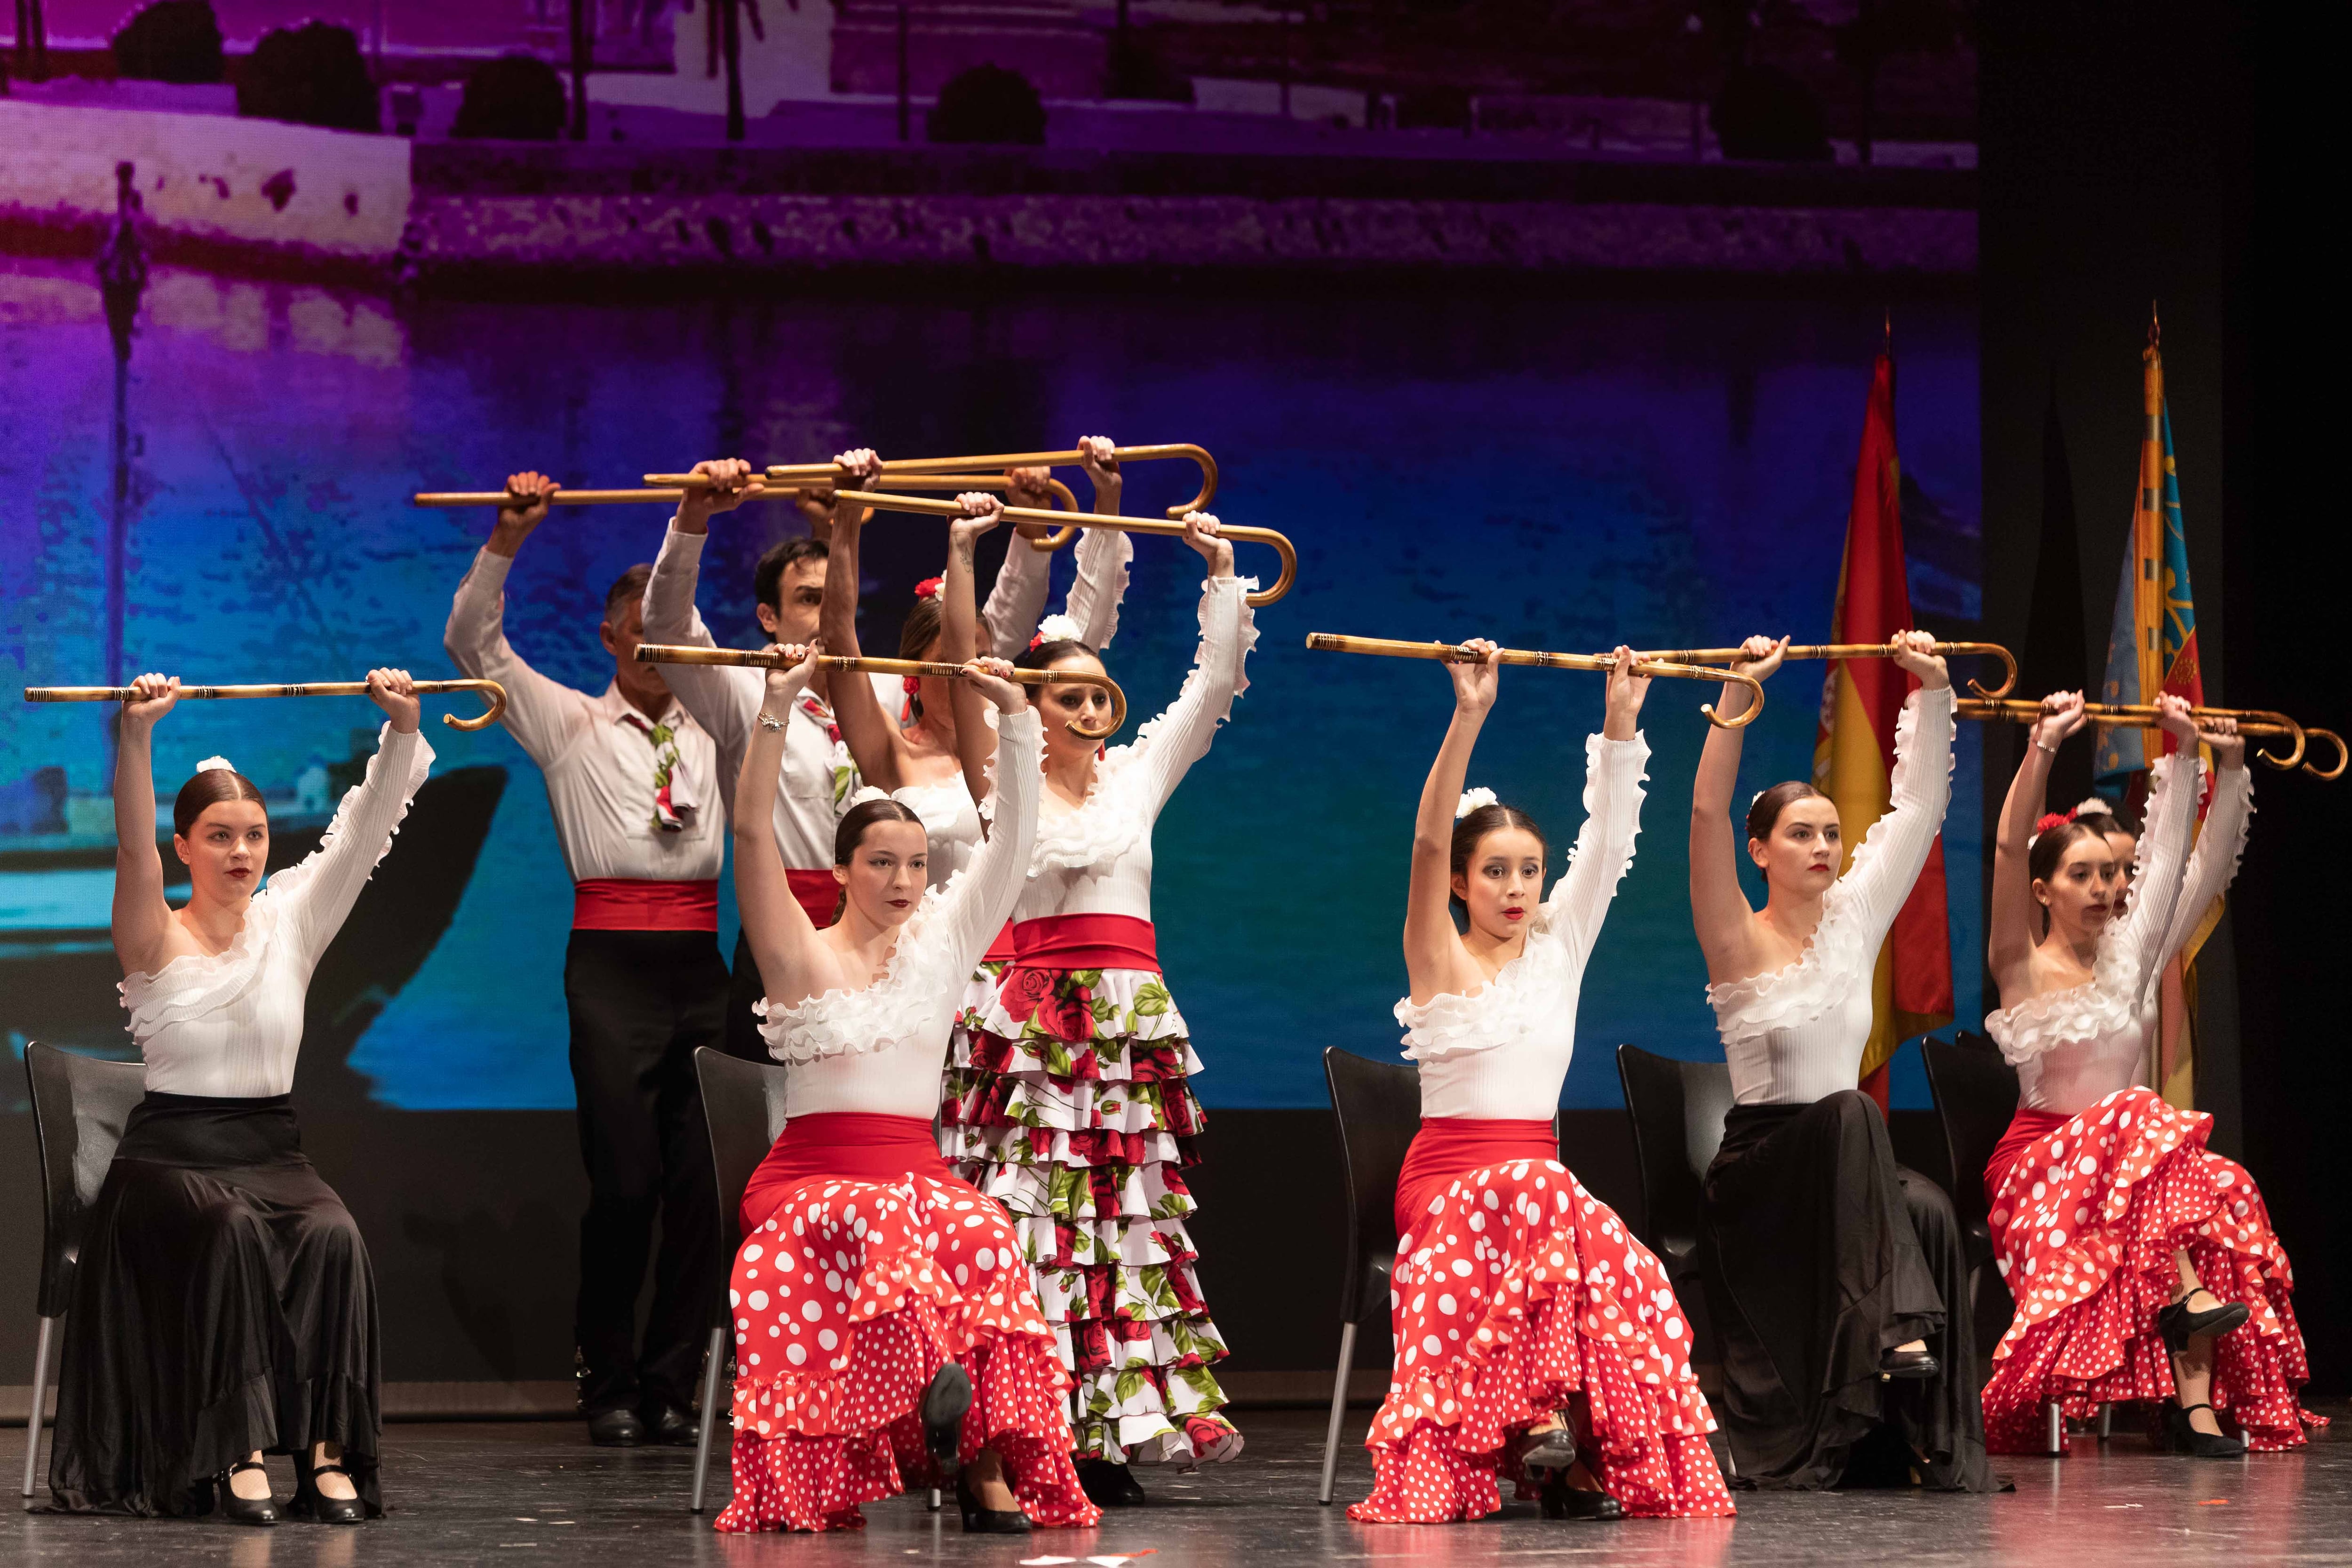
743	1041
641	1004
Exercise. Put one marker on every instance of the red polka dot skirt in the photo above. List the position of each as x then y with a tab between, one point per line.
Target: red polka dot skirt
2085	1222
848	1296
1514	1289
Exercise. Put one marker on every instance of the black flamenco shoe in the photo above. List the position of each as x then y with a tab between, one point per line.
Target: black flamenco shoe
944	1403
312	1504
1908	1365
1561	1501
979	1521
244	1509
1109	1485
2180	1438
1554	1451
2179	1325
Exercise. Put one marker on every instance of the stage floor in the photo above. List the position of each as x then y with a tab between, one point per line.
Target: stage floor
536	1493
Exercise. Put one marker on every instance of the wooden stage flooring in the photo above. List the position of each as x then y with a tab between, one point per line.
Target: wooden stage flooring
526	1493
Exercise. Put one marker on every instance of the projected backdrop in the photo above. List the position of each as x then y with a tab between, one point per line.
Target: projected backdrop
1554	475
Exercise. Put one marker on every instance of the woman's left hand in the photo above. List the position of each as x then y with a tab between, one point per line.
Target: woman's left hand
993	678
1626	690
982	512
1200	533
1916	652
790	679
2229	746
395	693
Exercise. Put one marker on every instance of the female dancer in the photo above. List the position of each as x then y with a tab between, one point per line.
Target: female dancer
873	1293
225	1307
1070	1104
1836	1263
2110	1215
1568	1337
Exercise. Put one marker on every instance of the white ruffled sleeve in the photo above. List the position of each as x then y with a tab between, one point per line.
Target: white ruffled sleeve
1167	747
1895	849
1016	600
2213	864
981	896
2138	940
1614	777
313	897
1101	586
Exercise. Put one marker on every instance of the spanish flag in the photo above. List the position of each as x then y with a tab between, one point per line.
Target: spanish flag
1854	750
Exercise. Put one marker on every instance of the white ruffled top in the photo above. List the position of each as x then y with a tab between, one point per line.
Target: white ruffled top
1098	858
229	1024
881	1049
1796	1034
1501	1052
2073	1048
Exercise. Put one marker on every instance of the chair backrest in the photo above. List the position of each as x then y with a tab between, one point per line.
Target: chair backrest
79	1106
1378	1104
1677	1110
743	1105
1976	1095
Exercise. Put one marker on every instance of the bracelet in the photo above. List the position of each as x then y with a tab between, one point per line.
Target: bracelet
768	724
2040	747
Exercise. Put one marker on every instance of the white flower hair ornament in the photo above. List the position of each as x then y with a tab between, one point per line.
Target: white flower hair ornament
1472	799
210	763
863	795
1056	628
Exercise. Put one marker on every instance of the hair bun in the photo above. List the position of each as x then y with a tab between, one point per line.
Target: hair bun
211	764
1471	800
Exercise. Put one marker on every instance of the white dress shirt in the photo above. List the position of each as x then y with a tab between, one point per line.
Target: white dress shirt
1796	1034
1501	1053
229	1024
595	753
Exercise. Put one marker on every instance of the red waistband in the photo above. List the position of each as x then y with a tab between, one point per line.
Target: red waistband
864	1146
1000	950
1446	1146
627	903
1086	941
2026	1129
817	892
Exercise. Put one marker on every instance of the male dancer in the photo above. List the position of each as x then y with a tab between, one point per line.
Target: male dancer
630	780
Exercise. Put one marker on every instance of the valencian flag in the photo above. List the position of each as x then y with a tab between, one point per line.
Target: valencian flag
1854	750
2152	648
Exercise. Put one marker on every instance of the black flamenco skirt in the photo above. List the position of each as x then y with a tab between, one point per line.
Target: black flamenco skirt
1828	1255
224	1303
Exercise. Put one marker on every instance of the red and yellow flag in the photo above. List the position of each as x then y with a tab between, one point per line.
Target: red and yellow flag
1854	750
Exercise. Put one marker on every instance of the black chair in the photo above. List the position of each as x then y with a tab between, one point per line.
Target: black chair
79	1106
743	1105
1976	1095
1379	1107
1677	1109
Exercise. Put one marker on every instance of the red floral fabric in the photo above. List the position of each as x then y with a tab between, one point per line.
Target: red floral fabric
2085	1222
848	1296
1514	1289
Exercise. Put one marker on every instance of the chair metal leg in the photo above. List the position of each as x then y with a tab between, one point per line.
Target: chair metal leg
40	1394
2106	1415
2057	1430
1338	1409
711	1361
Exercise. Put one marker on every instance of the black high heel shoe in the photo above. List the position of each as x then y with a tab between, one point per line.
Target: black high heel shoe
1554	1450
312	1504
1109	1485
979	1521
944	1403
2179	1325
244	1509
2180	1438
1561	1501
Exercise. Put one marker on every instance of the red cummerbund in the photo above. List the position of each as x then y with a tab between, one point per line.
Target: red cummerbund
629	903
2025	1129
817	893
861	1145
1446	1146
1001	950
1086	941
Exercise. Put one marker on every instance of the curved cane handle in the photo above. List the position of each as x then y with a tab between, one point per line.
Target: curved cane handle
2341	756
2008	664
492	693
1755	703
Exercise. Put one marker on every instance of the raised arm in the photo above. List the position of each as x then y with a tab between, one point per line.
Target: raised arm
982	897
794	962
1016	600
142	918
1613	761
1433	948
722	698
871	734
974	749
2214	862
2175	784
1719	908
316	895
1893	853
1180	736
1103	553
2014	916
542	715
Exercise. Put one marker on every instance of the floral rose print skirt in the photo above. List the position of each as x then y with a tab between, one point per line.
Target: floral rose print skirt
1066	1101
862	1270
1515	1290
2086	1217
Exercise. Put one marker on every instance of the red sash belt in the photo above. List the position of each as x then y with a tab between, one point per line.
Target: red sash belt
1446	1146
2025	1129
817	892
1000	950
1086	941
629	903
864	1146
